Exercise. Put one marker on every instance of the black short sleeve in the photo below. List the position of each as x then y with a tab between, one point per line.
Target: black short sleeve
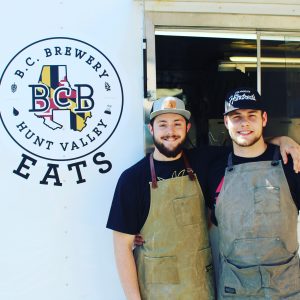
131	200
203	160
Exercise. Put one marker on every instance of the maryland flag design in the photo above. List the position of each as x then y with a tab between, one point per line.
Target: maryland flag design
63	115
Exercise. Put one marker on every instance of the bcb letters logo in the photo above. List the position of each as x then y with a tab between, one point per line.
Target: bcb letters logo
61	99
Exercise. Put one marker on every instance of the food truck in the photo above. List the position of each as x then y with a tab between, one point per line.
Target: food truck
77	81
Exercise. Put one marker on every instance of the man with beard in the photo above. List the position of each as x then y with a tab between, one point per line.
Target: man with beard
167	266
255	206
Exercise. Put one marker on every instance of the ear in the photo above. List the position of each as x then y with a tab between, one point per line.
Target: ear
226	121
150	127
264	119
188	127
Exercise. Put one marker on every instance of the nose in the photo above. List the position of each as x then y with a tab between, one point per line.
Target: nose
244	121
171	129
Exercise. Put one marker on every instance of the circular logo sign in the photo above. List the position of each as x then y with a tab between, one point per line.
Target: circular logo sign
61	98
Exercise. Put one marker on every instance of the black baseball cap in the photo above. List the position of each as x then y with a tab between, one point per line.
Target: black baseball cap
243	98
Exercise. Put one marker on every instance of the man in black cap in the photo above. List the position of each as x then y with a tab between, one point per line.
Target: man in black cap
255	205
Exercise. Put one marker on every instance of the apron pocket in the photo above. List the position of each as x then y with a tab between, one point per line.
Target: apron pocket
258	251
205	273
283	277
236	282
161	270
267	199
187	210
204	262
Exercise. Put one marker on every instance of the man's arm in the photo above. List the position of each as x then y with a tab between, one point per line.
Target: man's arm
126	265
288	146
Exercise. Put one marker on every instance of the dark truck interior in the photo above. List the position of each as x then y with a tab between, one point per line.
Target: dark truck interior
200	71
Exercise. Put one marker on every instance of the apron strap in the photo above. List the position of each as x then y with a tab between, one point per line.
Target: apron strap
276	157
229	162
274	163
153	174
188	167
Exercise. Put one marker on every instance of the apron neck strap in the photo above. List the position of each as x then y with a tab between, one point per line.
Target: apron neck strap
229	162
153	174
188	167
276	157
274	163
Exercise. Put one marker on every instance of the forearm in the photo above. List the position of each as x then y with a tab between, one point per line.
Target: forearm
126	265
273	140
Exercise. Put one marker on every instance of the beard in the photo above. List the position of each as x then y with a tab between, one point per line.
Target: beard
168	152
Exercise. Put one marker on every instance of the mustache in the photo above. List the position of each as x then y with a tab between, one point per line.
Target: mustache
171	136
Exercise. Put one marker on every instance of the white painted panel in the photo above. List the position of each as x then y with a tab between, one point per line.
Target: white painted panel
234	1
279	8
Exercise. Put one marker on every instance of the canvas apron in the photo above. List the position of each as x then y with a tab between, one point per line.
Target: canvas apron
175	263
257	221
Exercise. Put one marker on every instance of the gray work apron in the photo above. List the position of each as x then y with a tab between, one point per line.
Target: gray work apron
175	263
257	221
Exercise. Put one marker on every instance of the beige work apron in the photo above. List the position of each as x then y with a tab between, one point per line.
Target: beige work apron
257	221
175	263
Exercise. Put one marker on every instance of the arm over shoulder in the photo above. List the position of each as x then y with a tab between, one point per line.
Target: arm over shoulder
293	180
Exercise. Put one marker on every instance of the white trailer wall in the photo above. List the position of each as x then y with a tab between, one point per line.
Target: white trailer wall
57	179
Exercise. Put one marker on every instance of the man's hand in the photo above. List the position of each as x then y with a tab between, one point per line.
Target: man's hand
138	240
288	147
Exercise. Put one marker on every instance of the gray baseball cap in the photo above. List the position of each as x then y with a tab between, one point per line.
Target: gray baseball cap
169	105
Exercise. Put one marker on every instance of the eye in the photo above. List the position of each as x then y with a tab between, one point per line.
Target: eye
178	124
162	125
252	116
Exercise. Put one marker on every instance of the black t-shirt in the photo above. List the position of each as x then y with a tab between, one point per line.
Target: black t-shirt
217	172
131	200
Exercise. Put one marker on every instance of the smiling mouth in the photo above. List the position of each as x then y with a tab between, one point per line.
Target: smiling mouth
245	132
171	138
